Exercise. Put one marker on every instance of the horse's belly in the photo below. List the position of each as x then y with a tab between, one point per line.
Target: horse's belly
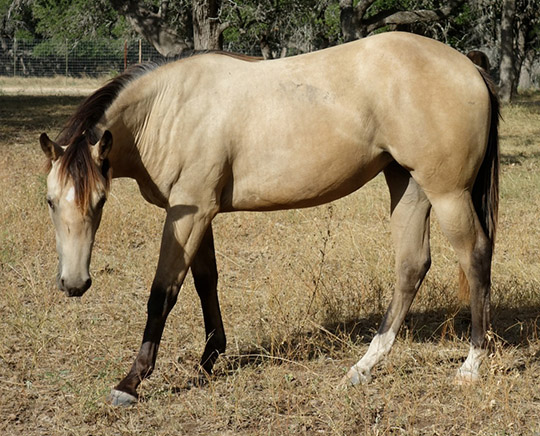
302	182
308	145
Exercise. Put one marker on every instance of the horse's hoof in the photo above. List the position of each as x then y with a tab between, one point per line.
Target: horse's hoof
466	378
355	377
121	398
199	381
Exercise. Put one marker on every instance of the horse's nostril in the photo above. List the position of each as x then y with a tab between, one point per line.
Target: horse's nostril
62	283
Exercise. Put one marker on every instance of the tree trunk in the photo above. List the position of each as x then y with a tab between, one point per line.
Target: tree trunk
525	80
347	20
207	29
152	26
507	71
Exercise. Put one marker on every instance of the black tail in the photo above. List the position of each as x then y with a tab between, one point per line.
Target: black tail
485	193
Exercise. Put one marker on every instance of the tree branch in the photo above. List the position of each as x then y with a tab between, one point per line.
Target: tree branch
164	8
224	26
362	7
393	17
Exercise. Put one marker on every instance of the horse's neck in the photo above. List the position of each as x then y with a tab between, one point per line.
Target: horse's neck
119	120
123	151
126	158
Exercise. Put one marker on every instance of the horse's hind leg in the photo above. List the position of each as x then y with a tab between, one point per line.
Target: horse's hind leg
205	276
410	231
460	224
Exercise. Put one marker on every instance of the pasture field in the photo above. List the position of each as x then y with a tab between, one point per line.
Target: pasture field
58	85
302	293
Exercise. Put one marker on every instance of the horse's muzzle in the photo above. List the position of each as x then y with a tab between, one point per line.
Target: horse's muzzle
72	290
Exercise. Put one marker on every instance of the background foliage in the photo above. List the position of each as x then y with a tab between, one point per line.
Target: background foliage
275	28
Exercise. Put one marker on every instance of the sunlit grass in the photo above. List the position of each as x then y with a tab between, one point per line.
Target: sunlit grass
58	85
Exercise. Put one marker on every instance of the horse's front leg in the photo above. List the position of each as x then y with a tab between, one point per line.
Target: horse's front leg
205	276
184	229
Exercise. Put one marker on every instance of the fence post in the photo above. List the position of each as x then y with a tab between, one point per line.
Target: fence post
125	54
140	51
67	50
14	57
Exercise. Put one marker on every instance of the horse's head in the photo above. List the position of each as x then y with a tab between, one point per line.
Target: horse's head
77	187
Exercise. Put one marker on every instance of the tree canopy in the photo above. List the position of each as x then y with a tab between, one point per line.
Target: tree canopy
272	27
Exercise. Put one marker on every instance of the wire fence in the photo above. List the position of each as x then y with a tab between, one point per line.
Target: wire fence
81	58
108	57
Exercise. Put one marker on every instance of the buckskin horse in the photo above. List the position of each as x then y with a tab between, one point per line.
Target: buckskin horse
217	133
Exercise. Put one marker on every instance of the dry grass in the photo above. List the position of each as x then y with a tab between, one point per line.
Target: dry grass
302	293
58	85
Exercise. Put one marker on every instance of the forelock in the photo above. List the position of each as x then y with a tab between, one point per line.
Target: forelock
77	165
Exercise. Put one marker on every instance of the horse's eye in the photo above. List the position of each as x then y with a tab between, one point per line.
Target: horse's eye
50	203
101	203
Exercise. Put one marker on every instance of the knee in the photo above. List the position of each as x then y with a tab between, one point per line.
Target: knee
161	301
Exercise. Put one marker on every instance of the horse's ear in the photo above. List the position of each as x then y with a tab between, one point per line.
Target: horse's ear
103	147
51	149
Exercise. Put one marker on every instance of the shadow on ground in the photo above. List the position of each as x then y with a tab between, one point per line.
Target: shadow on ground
516	327
20	114
513	327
